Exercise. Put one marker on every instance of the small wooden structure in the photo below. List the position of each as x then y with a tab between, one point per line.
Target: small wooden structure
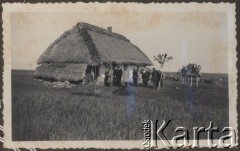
192	75
189	73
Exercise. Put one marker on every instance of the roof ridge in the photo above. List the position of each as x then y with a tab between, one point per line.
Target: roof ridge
90	45
101	30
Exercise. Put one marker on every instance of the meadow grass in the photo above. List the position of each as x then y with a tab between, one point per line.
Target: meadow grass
40	112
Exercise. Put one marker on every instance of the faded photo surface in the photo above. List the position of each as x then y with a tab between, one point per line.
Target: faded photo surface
95	72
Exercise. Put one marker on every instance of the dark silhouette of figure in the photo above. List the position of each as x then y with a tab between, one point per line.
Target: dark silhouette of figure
155	78
89	74
108	76
118	76
135	77
145	78
114	76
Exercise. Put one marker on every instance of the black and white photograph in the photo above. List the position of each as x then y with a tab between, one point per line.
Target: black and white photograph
121	73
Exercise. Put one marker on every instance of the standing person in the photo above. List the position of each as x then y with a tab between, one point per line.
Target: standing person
114	78
119	76
145	78
135	77
88	74
106	78
125	76
110	76
154	78
140	80
92	77
148	72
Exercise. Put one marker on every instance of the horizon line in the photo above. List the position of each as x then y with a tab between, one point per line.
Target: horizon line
164	71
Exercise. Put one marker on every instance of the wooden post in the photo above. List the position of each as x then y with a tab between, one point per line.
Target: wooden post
159	83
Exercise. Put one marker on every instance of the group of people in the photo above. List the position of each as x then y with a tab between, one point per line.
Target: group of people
140	77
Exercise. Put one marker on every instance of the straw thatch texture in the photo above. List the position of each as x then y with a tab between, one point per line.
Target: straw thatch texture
61	72
117	50
69	48
92	45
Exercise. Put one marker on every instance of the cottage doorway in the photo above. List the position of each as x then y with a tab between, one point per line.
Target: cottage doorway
96	72
93	71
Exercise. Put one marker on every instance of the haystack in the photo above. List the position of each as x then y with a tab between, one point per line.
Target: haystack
84	46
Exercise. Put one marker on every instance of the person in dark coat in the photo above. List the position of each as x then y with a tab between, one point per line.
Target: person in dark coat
135	77
106	77
158	78
118	76
145	78
155	78
114	76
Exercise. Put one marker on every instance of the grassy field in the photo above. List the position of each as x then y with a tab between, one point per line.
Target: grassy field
42	112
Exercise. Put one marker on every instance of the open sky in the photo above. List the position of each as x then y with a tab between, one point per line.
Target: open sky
189	36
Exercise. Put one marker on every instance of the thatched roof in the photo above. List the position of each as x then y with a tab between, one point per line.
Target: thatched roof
93	45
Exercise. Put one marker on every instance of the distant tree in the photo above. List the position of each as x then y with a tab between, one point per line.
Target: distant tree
162	59
197	68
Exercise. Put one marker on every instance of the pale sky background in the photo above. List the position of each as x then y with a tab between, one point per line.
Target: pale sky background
190	37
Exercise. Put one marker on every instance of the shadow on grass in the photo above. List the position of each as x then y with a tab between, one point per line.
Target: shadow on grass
87	94
123	91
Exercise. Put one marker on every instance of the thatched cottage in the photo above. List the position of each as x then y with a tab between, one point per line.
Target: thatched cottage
87	47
